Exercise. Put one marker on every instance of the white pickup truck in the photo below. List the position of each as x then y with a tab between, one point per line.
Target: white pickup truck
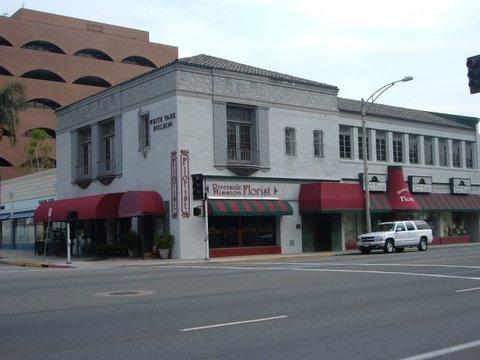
396	236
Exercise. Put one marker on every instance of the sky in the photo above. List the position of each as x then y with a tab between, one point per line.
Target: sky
358	46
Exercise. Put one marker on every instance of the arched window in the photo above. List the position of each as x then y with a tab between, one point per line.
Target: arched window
43	104
50	132
93	54
92	81
4	42
138	60
41	74
4	162
40	45
5	72
5	132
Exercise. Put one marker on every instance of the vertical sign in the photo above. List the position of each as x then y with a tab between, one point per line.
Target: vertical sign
185	183
173	191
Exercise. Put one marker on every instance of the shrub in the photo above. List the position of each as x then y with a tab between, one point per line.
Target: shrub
164	240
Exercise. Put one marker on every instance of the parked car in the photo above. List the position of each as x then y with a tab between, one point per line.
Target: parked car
396	236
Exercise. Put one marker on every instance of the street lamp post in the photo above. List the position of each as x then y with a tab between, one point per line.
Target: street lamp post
365	105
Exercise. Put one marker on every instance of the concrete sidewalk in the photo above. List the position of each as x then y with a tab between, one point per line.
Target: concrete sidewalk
28	259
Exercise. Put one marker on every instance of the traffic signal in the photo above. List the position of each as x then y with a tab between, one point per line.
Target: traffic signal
197	186
473	65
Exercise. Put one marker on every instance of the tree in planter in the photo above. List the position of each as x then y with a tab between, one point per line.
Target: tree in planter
39	152
130	239
164	243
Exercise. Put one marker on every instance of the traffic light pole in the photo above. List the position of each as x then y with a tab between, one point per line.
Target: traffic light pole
205	212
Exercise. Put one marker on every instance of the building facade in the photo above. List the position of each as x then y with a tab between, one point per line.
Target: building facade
278	157
20	198
60	60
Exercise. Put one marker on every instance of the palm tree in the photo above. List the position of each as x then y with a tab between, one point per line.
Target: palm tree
12	101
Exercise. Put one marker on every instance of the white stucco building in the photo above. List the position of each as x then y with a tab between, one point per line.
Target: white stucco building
279	158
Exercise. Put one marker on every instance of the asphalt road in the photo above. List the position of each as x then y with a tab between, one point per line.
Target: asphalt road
411	305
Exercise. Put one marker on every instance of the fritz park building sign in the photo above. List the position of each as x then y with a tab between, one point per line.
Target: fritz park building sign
242	190
163	122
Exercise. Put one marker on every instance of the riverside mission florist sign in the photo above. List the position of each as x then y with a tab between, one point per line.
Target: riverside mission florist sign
241	190
460	186
420	184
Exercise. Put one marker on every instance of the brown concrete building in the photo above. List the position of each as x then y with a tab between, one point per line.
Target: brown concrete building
60	60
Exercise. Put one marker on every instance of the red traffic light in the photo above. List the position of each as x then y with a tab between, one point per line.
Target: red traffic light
473	66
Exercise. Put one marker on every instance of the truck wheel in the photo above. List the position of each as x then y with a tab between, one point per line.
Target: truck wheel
388	247
399	249
365	251
422	246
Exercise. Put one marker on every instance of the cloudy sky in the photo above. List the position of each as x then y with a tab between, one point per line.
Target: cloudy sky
357	46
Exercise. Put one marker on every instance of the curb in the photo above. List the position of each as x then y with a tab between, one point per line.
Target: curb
34	264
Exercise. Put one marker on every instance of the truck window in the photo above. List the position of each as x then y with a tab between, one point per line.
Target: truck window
410	226
400	227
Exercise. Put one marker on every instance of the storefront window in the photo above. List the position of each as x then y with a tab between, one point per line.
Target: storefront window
6	232
238	231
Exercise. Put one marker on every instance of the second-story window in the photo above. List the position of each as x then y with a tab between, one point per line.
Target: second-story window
442	152
381	143
84	165
413	148
107	155
397	147
469	151
318	143
456	153
239	135
144	133
290	142
345	141
428	150
360	144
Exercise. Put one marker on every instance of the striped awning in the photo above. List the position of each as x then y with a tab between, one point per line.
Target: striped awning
447	202
227	207
379	202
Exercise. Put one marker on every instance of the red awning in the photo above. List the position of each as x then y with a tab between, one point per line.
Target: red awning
234	207
398	194
379	202
138	203
103	206
447	202
330	196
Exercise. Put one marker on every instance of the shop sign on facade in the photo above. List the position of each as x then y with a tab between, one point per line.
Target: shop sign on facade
460	186
376	182
242	190
420	184
163	122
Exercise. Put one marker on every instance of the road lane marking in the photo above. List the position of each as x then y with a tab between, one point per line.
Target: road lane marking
235	323
273	268
465	290
387	264
445	351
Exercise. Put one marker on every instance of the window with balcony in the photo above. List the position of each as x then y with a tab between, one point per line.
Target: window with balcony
397	147
442	152
381	144
345	142
469	154
413	148
106	164
240	132
360	144
318	143
428	150
84	162
290	141
456	153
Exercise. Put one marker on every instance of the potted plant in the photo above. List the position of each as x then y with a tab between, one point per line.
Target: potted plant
164	243
130	240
